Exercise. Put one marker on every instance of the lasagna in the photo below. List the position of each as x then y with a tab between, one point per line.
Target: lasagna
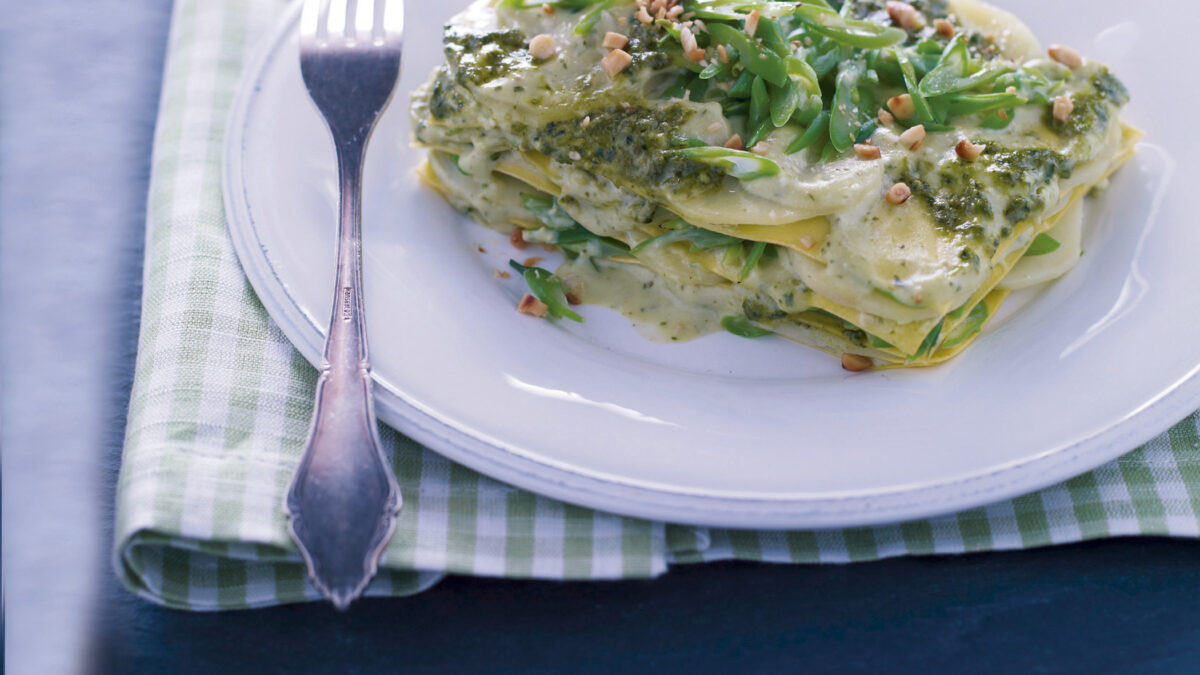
868	178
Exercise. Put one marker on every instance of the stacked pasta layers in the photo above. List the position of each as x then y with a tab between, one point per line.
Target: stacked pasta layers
868	178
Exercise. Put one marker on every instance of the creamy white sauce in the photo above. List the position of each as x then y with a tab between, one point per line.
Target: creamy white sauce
871	246
660	310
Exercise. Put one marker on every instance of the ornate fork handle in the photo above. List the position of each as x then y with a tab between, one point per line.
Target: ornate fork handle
343	501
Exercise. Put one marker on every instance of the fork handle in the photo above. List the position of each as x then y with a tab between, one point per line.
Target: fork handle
343	500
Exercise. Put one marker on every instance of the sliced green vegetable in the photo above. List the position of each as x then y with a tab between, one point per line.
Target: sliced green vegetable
737	163
760	102
548	288
950	71
713	69
891	296
743	327
589	20
877	343
969	328
815	131
930	343
548	211
762	62
760	132
579	240
912	84
772	37
700	239
784	103
971	104
861	34
846	116
1043	244
808	79
742	85
753	258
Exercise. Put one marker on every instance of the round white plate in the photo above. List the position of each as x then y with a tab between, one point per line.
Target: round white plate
724	431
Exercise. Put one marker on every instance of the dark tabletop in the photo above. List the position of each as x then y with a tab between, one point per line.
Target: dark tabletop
78	96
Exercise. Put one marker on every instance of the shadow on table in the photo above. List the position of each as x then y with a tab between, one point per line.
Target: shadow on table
1112	606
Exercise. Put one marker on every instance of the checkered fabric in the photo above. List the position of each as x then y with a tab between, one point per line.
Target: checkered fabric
221	407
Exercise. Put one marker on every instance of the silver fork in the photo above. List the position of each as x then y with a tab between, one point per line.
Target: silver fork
343	501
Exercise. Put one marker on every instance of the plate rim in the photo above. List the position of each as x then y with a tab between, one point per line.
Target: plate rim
627	497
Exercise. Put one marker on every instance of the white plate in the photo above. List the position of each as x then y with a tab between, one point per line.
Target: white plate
724	431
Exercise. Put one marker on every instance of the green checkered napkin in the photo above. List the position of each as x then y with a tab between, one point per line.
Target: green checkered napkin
221	407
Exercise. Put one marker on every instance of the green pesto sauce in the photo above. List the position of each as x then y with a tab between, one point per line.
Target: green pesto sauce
631	146
757	310
644	48
479	58
1093	109
1027	166
957	195
446	98
956	198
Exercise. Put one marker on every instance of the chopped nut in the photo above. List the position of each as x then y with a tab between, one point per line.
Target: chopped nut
913	137
898	194
587	122
644	16
735	142
615	40
886	118
722	53
517	239
573	299
1063	107
761	148
696	55
807	242
616	61
865	151
542	47
902	106
752	22
1066	56
905	15
856	363
944	27
688	40
533	261
532	306
968	150
674	12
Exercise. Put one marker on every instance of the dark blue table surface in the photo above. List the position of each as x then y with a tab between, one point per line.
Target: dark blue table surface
78	94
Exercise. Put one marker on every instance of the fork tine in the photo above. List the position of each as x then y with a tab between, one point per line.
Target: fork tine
361	12
335	22
389	19
312	20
